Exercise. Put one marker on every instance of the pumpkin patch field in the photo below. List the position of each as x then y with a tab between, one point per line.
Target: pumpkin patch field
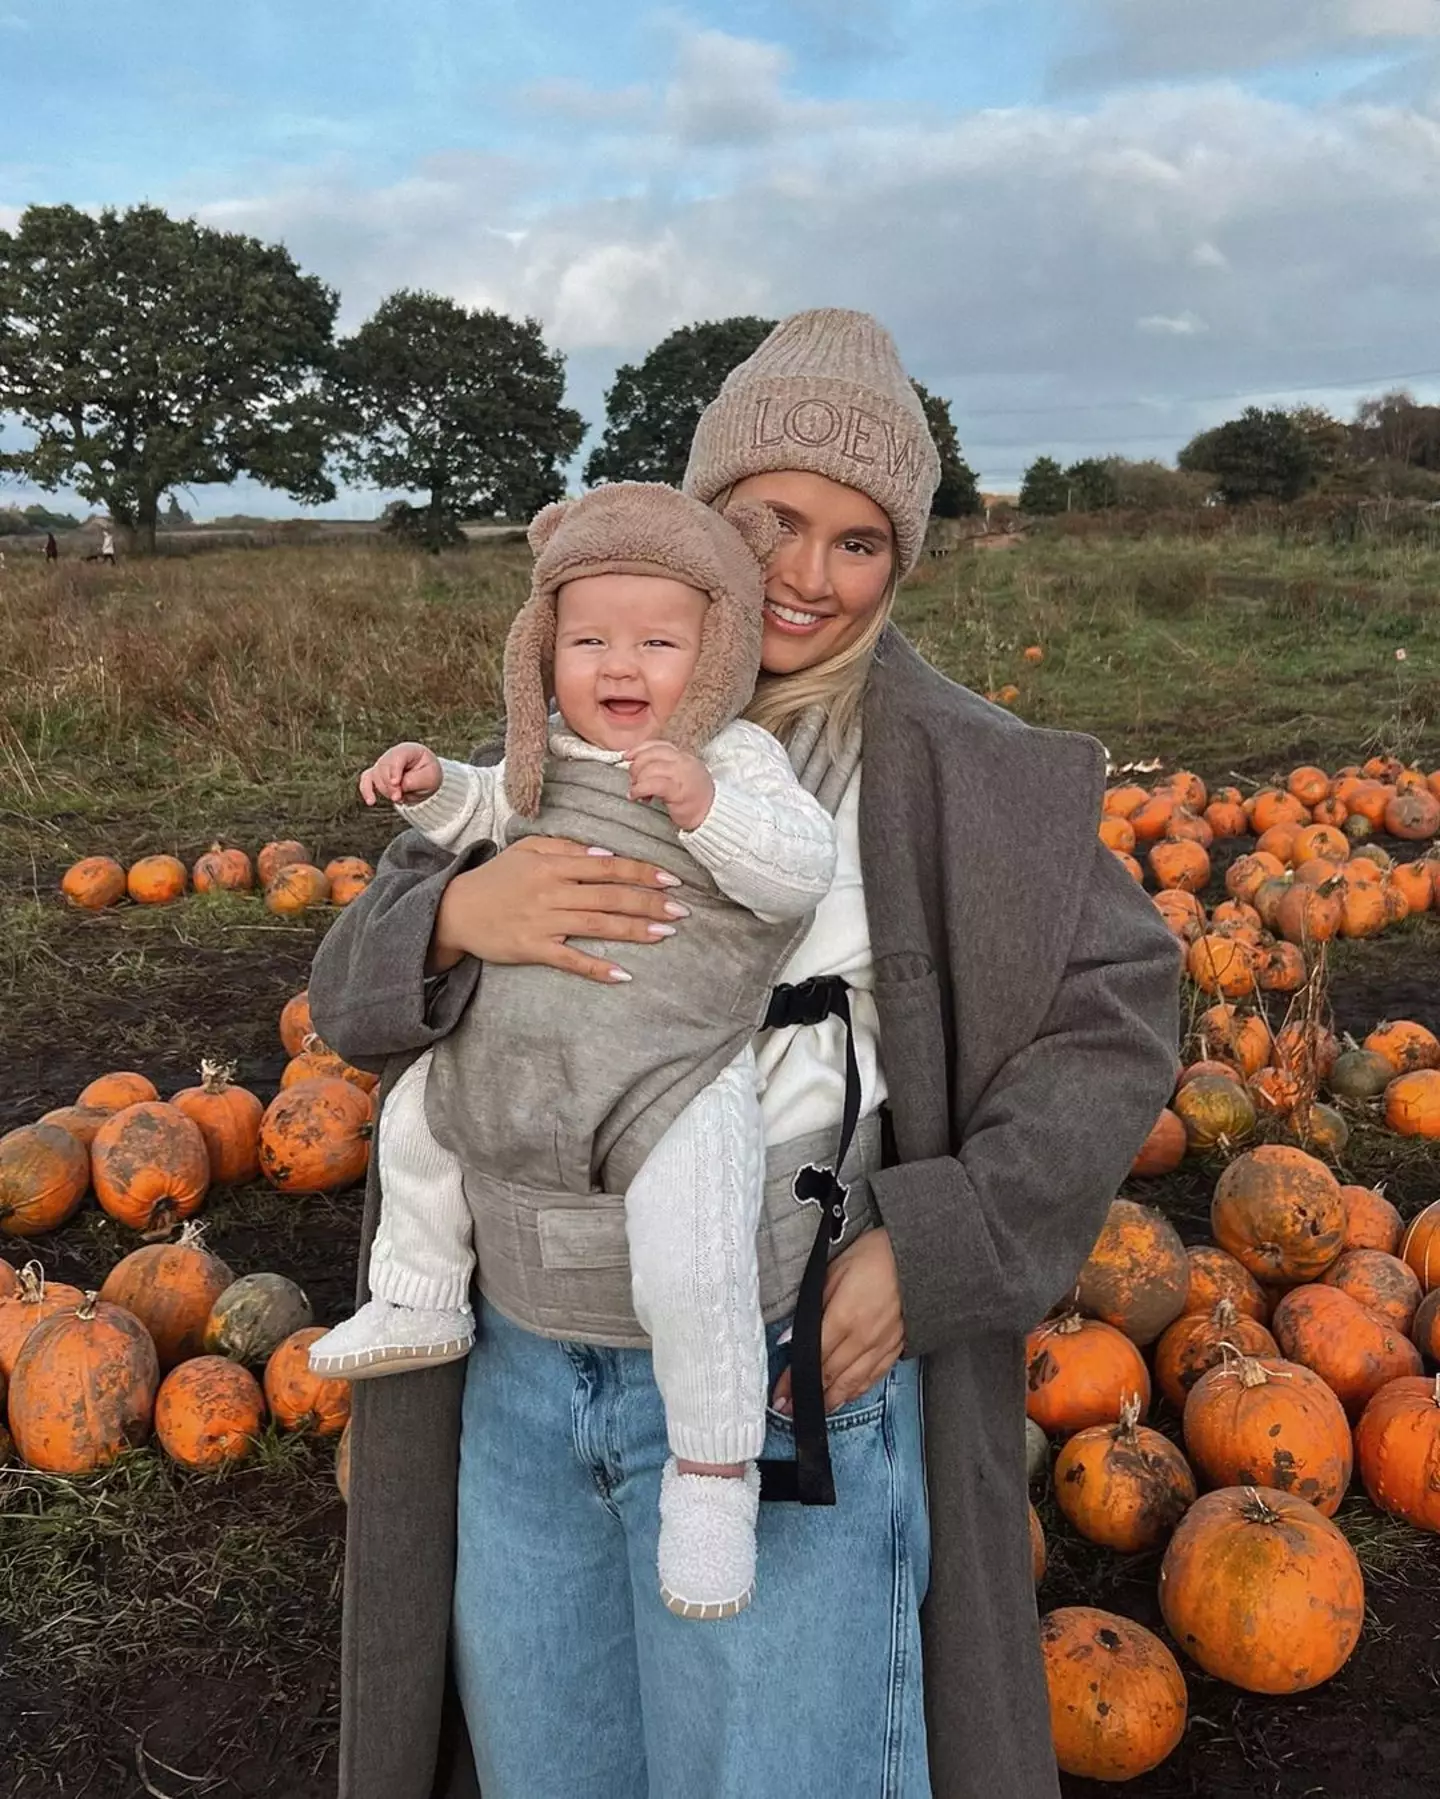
1234	1524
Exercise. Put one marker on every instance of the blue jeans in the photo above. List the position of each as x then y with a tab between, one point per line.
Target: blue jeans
576	1681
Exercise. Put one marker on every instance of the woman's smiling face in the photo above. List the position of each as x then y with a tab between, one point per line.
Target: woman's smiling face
830	570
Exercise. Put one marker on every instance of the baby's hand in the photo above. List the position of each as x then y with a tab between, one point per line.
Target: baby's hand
681	782
405	773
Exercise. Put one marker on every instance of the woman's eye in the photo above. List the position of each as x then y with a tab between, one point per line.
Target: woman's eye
859	544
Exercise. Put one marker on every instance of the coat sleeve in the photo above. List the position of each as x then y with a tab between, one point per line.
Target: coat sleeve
370	997
986	1240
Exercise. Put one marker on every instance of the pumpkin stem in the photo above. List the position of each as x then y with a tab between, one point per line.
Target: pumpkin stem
215	1077
192	1235
32	1283
86	1307
1225	1315
1066	1325
1256	1510
1129	1415
312	1043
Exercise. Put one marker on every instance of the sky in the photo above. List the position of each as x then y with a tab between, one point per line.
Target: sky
1094	225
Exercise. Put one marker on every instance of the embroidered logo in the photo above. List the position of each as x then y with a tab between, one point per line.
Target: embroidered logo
814	1186
860	436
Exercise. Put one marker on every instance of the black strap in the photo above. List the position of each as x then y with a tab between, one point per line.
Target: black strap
809	1478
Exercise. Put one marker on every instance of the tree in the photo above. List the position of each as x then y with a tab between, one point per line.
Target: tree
1260	455
1091	486
1044	488
1395	427
958	495
175	517
464	407
145	353
1326	438
653	407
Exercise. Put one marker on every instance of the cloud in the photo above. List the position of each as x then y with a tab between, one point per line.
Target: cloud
576	100
1180	324
1120	39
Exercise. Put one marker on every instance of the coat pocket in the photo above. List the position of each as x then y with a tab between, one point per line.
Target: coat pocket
582	1237
915	1052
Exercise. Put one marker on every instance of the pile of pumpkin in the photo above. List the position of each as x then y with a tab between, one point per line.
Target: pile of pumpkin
1293	1349
165	1345
286	873
152	1161
1245	1076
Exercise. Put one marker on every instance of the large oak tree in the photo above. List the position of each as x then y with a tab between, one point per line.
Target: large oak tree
144	353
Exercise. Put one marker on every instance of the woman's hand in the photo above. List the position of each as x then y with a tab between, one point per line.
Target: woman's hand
862	1330
521	905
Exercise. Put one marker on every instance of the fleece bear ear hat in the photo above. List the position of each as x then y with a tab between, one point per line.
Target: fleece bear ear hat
640	528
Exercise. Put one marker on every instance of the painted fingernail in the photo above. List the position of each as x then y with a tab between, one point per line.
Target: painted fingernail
664	879
661	930
673	909
594	850
619	974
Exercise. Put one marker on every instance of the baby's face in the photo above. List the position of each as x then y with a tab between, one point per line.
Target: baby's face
625	649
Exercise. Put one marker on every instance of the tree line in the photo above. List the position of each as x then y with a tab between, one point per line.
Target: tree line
145	354
1391	447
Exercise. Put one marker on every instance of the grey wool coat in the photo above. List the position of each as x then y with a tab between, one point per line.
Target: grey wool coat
1027	998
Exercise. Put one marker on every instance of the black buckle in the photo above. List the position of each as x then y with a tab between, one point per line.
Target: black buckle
803	1002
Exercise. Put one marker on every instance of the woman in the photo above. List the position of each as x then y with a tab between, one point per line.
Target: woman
1024	995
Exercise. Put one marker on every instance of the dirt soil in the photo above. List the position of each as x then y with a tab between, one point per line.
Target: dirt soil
237	1712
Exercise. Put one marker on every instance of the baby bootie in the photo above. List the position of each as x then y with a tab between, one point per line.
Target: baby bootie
707	1541
388	1339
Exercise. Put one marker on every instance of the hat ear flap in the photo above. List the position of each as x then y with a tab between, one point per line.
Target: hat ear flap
529	664
757	525
546	523
723	680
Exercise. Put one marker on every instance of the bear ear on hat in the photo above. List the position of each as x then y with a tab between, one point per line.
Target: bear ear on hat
546	523
757	524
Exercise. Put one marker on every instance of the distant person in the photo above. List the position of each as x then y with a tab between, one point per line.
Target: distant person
107	547
52	549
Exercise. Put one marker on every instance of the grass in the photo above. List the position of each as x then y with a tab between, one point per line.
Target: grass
154	1618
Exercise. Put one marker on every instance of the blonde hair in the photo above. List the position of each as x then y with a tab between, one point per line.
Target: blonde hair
837	684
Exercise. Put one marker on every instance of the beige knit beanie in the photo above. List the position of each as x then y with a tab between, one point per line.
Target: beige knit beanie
825	392
639	528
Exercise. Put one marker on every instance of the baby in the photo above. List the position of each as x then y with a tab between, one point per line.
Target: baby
643	626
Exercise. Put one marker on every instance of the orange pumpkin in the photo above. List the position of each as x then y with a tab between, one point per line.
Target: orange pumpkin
1180	863
1310	914
1276	1092
1215	1110
1216	1275
1416	883
208	1412
1123	1485
1226	818
9	1280
1222	965
349	876
1130	865
1037	1530
1262	1590
1117	1696
1330	812
315	1137
229	1121
1196	1343
1280	968
1183	914
44	1172
171	1288
318	1062
1420	1246
1413	816
1247	873
1405	1045
83	1389
149	1166
1280	1212
1164	1149
1309	784
298	1399
1362	909
224	871
1151	820
1267	897
1371	1222
82	1122
1233	912
1382	1283
1425	1329
111	1092
94	883
1120	802
1397	1445
1270	807
1229	1035
1136	1277
1225	1071
1370	800
1412	1103
1308	1048
156	880
1322	841
34	1300
295	1022
1352	1350
278	855
253	1317
1079	1371
1117	833
1363	868
296	887
1252	1422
